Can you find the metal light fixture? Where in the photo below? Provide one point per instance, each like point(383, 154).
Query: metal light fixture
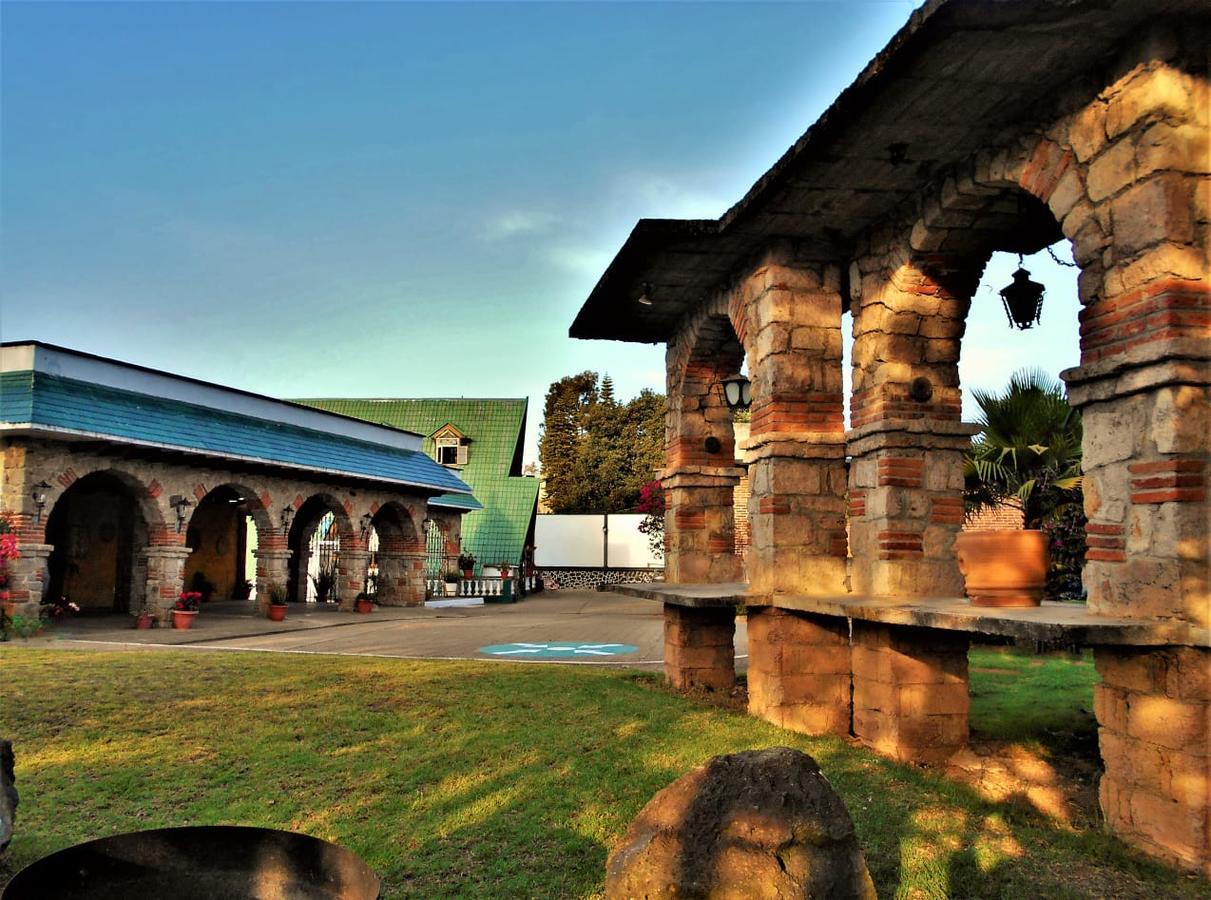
point(1023, 299)
point(738, 392)
point(181, 505)
point(366, 521)
point(287, 516)
point(39, 497)
point(426, 525)
point(645, 295)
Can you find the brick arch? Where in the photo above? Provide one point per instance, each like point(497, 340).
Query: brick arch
point(397, 530)
point(254, 501)
point(148, 496)
point(401, 556)
point(704, 351)
point(97, 544)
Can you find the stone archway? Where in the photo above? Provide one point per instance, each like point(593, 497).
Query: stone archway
point(321, 524)
point(399, 557)
point(99, 531)
point(221, 541)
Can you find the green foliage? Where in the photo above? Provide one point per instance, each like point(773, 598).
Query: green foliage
point(1028, 450)
point(597, 453)
point(277, 593)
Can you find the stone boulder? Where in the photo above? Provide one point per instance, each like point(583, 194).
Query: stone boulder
point(762, 823)
point(8, 793)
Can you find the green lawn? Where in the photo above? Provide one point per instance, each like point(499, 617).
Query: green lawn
point(471, 779)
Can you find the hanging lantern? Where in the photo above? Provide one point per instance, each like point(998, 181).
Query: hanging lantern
point(738, 392)
point(1023, 299)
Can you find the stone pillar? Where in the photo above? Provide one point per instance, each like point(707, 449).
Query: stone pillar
point(165, 580)
point(699, 526)
point(401, 579)
point(798, 670)
point(699, 647)
point(351, 576)
point(27, 576)
point(302, 585)
point(272, 566)
point(905, 507)
point(910, 691)
point(1153, 708)
point(796, 447)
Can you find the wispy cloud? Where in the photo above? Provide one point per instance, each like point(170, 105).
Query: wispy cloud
point(519, 223)
point(662, 196)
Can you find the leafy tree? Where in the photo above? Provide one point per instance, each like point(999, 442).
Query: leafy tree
point(1028, 450)
point(597, 453)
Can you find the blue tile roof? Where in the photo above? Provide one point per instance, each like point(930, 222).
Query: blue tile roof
point(49, 401)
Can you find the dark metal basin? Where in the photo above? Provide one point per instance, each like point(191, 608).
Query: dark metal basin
point(198, 863)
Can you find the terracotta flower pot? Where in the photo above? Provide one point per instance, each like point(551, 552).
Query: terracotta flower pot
point(1003, 568)
point(183, 618)
point(277, 613)
point(144, 621)
point(363, 606)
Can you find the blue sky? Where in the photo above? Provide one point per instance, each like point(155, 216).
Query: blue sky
point(400, 199)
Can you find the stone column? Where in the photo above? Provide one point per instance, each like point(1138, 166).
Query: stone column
point(401, 579)
point(26, 577)
point(272, 566)
point(798, 670)
point(910, 691)
point(905, 507)
point(1153, 708)
point(699, 647)
point(351, 576)
point(796, 446)
point(165, 580)
point(699, 526)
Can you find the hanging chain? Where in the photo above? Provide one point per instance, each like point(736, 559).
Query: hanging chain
point(1056, 259)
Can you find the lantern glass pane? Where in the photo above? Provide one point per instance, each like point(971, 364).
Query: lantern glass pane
point(731, 392)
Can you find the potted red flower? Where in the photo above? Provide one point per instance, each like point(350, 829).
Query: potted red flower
point(185, 610)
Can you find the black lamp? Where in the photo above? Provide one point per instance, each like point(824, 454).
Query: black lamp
point(1023, 299)
point(181, 504)
point(287, 516)
point(367, 519)
point(738, 392)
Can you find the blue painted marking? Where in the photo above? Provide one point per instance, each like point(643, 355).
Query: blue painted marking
point(557, 650)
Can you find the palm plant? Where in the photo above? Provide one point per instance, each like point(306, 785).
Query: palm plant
point(1028, 450)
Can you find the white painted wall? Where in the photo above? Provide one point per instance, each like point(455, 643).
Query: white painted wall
point(576, 541)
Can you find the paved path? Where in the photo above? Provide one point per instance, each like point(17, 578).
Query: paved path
point(545, 628)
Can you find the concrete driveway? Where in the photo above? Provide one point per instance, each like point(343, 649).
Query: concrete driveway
point(578, 627)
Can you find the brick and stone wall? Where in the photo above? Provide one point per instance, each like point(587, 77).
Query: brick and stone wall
point(162, 554)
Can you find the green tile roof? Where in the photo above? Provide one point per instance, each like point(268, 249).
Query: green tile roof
point(496, 428)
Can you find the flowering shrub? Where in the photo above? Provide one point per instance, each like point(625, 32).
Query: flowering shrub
point(8, 550)
point(651, 504)
point(189, 601)
point(57, 610)
point(1065, 529)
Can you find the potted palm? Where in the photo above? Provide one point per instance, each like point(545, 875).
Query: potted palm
point(1027, 454)
point(185, 610)
point(277, 601)
point(325, 583)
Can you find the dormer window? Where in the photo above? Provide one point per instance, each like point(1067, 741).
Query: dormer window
point(450, 446)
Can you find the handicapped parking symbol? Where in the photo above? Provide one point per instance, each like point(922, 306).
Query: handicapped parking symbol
point(557, 650)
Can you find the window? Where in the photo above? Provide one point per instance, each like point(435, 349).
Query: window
point(451, 451)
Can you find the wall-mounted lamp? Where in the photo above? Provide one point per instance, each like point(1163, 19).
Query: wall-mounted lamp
point(181, 505)
point(39, 497)
point(738, 392)
point(426, 525)
point(645, 295)
point(366, 521)
point(1023, 299)
point(287, 516)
